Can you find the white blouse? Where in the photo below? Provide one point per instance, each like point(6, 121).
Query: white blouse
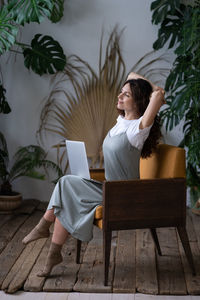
point(136, 136)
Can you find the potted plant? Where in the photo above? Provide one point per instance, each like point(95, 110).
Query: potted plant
point(179, 29)
point(28, 161)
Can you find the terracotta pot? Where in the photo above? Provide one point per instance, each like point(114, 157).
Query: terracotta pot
point(10, 203)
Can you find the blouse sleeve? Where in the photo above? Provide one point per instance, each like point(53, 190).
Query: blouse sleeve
point(137, 136)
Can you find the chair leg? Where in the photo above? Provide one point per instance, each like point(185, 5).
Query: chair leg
point(186, 246)
point(78, 251)
point(107, 235)
point(155, 238)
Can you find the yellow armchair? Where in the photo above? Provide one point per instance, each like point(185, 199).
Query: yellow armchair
point(157, 199)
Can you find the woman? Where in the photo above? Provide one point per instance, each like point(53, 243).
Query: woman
point(74, 199)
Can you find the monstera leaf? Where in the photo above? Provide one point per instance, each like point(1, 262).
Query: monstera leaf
point(57, 12)
point(8, 31)
point(4, 106)
point(45, 55)
point(162, 9)
point(26, 11)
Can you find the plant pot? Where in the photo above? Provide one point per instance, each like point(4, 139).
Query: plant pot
point(8, 203)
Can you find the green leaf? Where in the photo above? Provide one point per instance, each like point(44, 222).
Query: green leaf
point(163, 8)
point(8, 31)
point(3, 146)
point(170, 27)
point(57, 12)
point(29, 160)
point(26, 11)
point(160, 42)
point(4, 106)
point(33, 174)
point(46, 55)
point(193, 178)
point(190, 31)
point(4, 157)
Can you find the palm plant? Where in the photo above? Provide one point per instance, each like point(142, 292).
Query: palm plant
point(27, 162)
point(88, 112)
point(44, 55)
point(82, 103)
point(179, 27)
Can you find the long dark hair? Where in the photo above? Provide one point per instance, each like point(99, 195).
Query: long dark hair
point(141, 91)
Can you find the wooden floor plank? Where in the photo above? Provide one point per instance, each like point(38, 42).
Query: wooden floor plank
point(25, 266)
point(170, 269)
point(63, 276)
point(15, 246)
point(15, 268)
point(4, 219)
point(91, 275)
point(196, 223)
point(192, 282)
point(125, 267)
point(28, 206)
point(146, 274)
point(9, 224)
point(33, 282)
point(190, 227)
point(173, 272)
point(10, 228)
point(42, 206)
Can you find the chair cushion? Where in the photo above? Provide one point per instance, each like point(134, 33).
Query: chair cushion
point(99, 212)
point(98, 174)
point(157, 165)
point(99, 223)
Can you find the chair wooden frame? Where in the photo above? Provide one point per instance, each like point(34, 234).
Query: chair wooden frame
point(143, 203)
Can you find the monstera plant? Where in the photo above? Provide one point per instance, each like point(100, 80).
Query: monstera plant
point(179, 23)
point(44, 55)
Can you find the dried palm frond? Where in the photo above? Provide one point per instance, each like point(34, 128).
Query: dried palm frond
point(154, 66)
point(87, 109)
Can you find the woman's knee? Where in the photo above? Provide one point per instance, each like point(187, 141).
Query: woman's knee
point(69, 178)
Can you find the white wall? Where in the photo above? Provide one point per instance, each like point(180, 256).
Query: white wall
point(79, 33)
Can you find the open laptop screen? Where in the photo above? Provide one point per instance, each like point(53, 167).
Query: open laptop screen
point(77, 158)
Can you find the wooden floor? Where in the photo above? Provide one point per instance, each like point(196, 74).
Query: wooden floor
point(89, 296)
point(135, 266)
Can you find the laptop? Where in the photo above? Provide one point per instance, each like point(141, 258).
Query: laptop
point(77, 158)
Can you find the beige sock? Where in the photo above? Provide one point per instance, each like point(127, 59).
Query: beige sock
point(54, 257)
point(41, 230)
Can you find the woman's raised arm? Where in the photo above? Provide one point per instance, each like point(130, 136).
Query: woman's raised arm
point(156, 101)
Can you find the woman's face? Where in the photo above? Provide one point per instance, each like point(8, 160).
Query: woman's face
point(125, 99)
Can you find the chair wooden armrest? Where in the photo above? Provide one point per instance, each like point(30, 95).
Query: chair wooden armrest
point(144, 203)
